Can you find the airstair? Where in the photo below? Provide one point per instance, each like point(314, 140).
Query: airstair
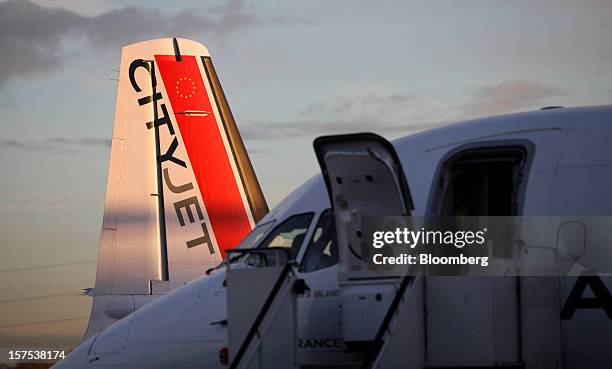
point(262, 313)
point(262, 318)
point(262, 310)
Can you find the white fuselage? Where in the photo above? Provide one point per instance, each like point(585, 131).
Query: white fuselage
point(570, 173)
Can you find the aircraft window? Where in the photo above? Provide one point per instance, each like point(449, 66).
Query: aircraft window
point(256, 234)
point(289, 234)
point(322, 250)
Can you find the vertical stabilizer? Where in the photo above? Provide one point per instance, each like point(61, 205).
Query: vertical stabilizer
point(181, 188)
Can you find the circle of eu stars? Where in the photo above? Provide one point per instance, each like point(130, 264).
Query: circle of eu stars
point(185, 87)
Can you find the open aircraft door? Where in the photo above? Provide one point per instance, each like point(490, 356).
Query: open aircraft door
point(364, 178)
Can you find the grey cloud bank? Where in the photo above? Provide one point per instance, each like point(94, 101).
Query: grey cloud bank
point(55, 144)
point(31, 35)
point(509, 96)
point(402, 113)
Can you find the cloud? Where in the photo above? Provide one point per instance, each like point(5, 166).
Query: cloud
point(382, 113)
point(401, 113)
point(56, 144)
point(253, 151)
point(258, 130)
point(89, 7)
point(31, 35)
point(509, 96)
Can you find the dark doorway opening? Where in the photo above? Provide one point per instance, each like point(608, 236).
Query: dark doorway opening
point(482, 182)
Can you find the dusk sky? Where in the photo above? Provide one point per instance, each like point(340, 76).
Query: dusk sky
point(291, 70)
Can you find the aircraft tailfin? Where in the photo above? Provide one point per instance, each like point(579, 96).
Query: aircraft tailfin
point(181, 188)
